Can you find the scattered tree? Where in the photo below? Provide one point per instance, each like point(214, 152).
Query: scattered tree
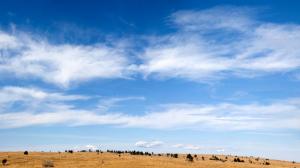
point(26, 153)
point(174, 155)
point(189, 157)
point(267, 163)
point(238, 160)
point(4, 162)
point(213, 157)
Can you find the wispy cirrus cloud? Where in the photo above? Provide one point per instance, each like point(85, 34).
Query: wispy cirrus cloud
point(222, 42)
point(210, 44)
point(149, 144)
point(27, 56)
point(43, 108)
point(197, 147)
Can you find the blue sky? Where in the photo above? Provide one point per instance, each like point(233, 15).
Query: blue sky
point(163, 76)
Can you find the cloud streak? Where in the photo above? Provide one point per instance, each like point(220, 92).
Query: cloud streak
point(222, 42)
point(207, 45)
point(43, 108)
point(61, 64)
point(150, 144)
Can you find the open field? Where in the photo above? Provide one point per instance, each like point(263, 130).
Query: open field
point(112, 160)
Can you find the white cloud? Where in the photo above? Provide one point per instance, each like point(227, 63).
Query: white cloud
point(193, 147)
point(7, 41)
point(37, 107)
point(92, 147)
point(188, 146)
point(225, 17)
point(209, 44)
point(61, 64)
point(107, 103)
point(178, 146)
point(14, 93)
point(197, 147)
point(20, 99)
point(220, 150)
point(222, 42)
point(148, 144)
point(223, 116)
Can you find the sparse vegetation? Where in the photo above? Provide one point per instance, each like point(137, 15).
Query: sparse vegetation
point(267, 163)
point(131, 159)
point(26, 153)
point(189, 158)
point(237, 159)
point(174, 155)
point(4, 162)
point(214, 157)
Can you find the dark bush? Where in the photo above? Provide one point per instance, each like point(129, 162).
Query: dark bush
point(238, 160)
point(203, 158)
point(267, 163)
point(4, 162)
point(213, 157)
point(189, 157)
point(174, 155)
point(26, 153)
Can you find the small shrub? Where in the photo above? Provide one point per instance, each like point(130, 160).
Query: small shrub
point(26, 153)
point(267, 163)
point(189, 157)
point(203, 158)
point(238, 160)
point(213, 157)
point(4, 162)
point(48, 163)
point(174, 155)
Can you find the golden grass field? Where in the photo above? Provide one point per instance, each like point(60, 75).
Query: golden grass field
point(111, 160)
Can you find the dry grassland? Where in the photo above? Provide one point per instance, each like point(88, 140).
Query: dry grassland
point(111, 160)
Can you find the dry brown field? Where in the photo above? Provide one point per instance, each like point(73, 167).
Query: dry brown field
point(111, 160)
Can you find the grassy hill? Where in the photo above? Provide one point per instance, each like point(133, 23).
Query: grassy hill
point(114, 160)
